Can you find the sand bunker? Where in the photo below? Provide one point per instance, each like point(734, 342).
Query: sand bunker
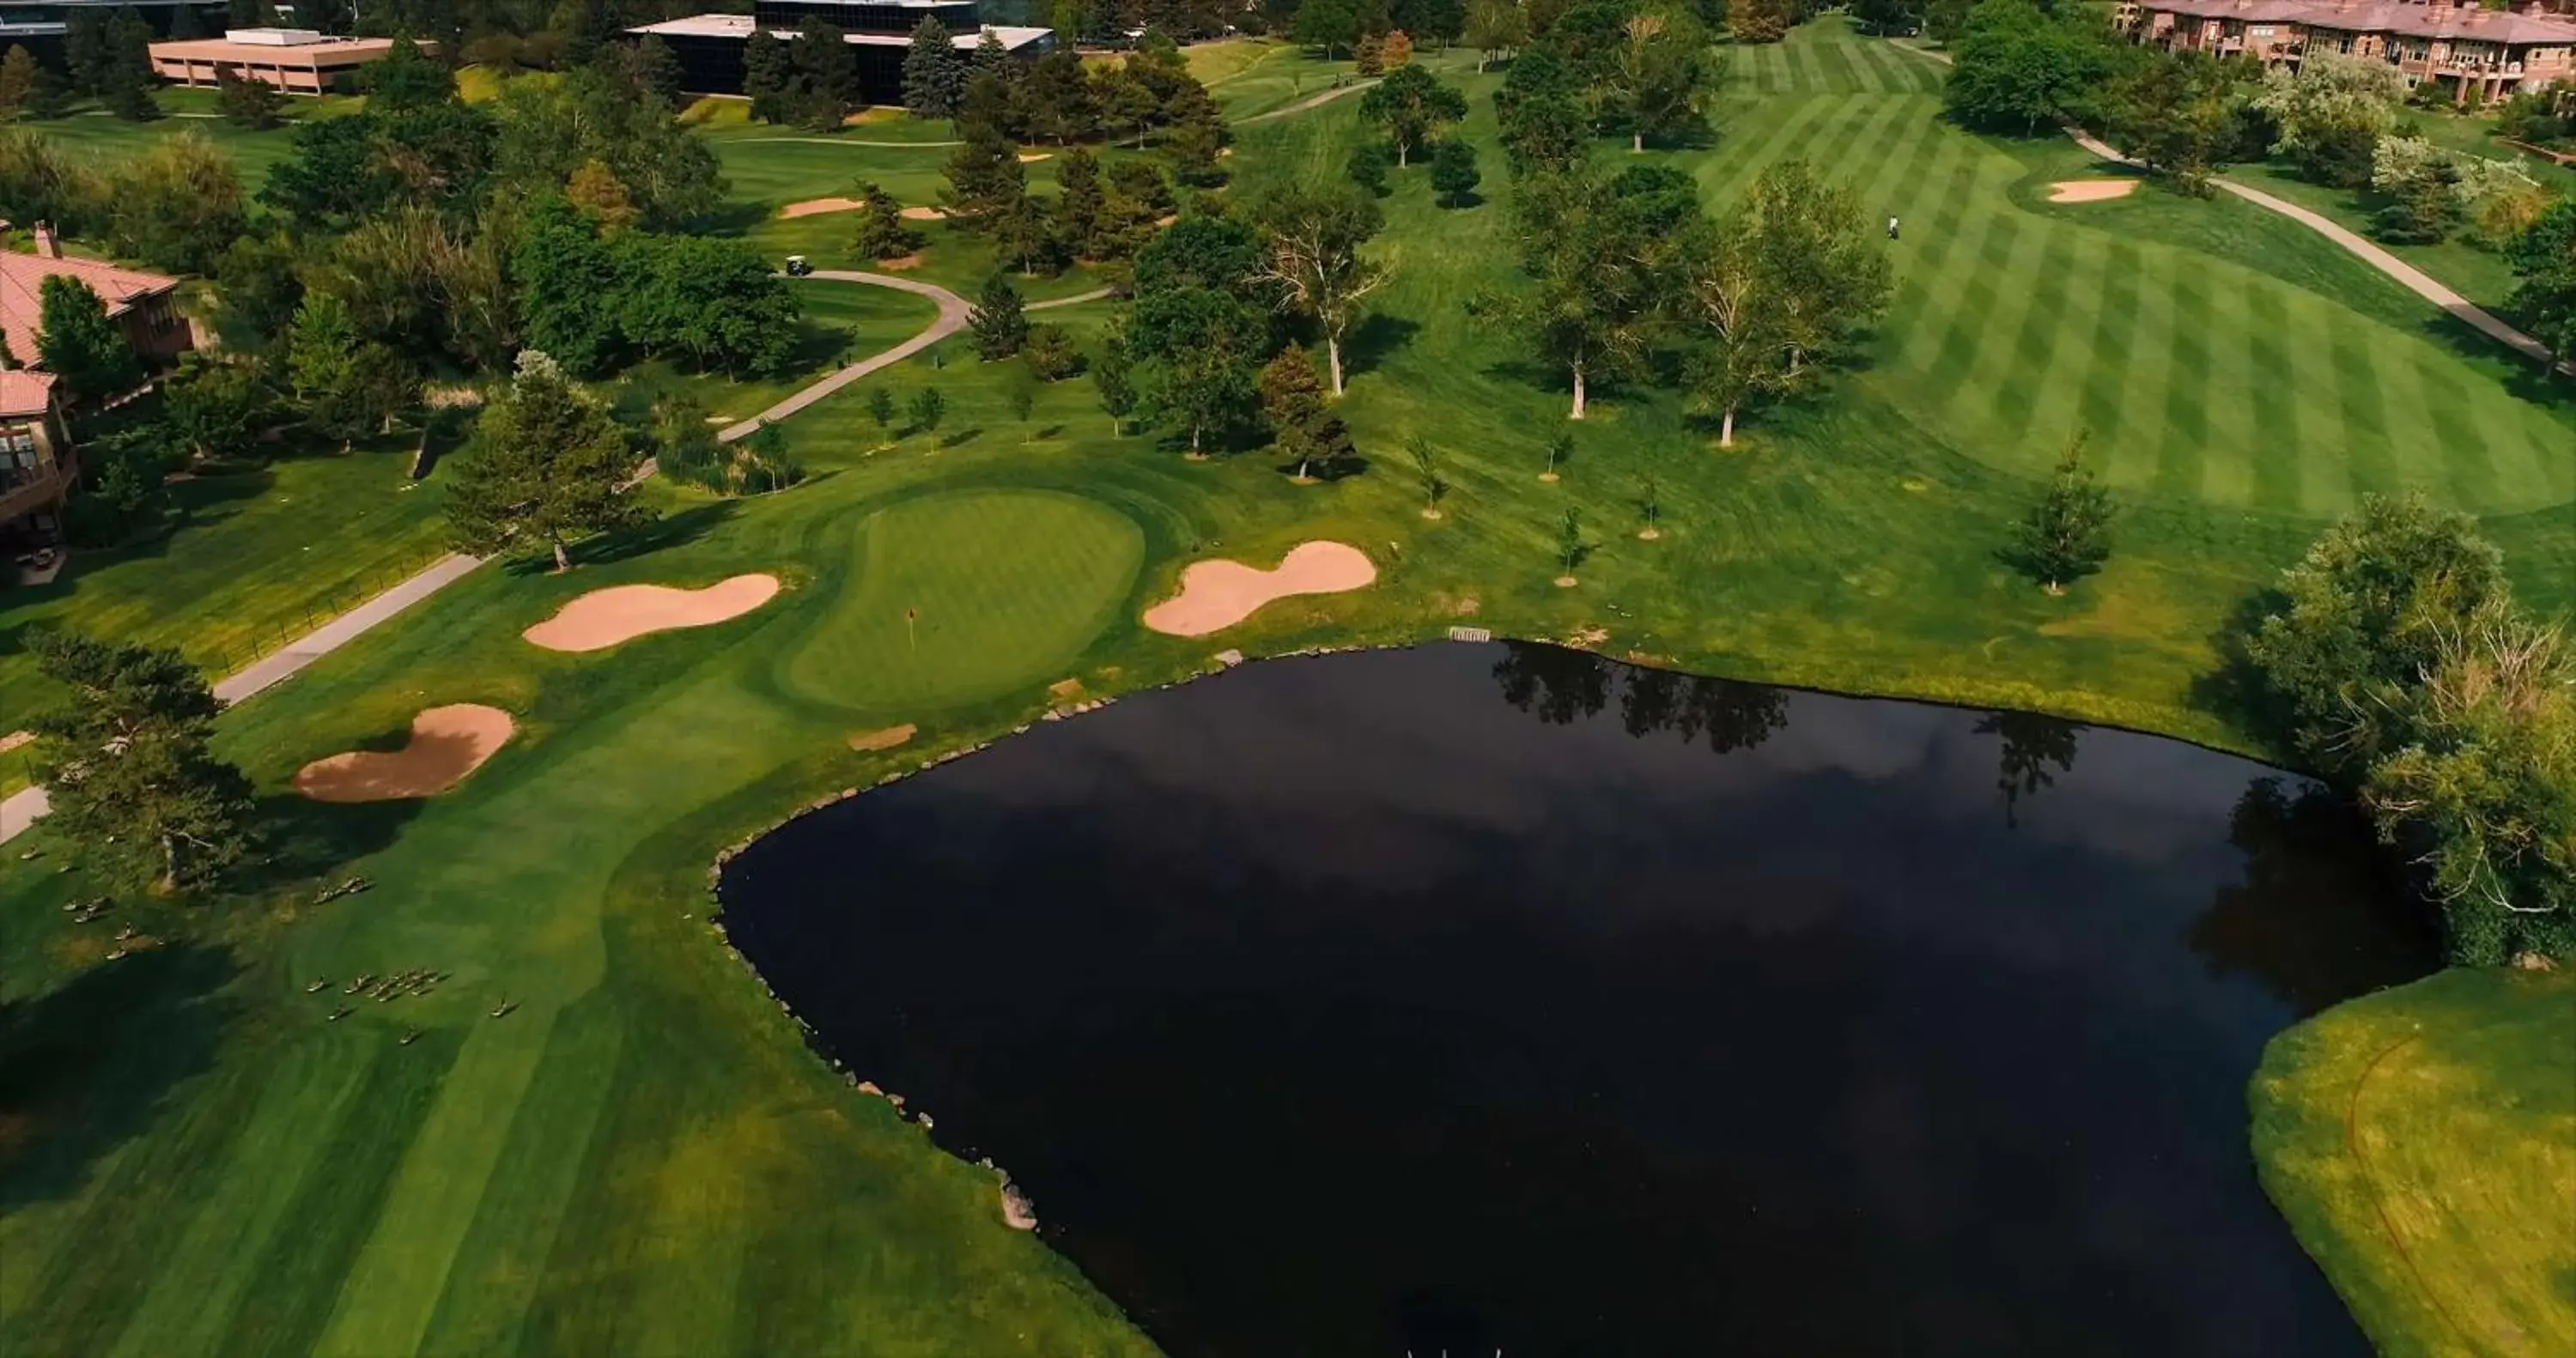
point(1218, 594)
point(813, 207)
point(2089, 190)
point(1033, 157)
point(922, 214)
point(606, 617)
point(447, 743)
point(886, 739)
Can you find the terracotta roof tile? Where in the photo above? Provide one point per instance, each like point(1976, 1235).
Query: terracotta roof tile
point(22, 281)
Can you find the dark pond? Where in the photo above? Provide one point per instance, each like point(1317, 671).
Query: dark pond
point(1483, 997)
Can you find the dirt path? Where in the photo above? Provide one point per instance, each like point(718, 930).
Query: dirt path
point(2414, 280)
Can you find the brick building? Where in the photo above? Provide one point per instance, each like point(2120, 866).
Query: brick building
point(296, 60)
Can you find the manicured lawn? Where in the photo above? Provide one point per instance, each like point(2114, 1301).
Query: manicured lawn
point(2422, 1142)
point(255, 559)
point(2481, 275)
point(644, 1158)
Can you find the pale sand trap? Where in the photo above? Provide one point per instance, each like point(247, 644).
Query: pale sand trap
point(447, 743)
point(15, 739)
point(922, 214)
point(1033, 157)
point(2089, 190)
point(606, 617)
point(813, 207)
point(886, 739)
point(1216, 595)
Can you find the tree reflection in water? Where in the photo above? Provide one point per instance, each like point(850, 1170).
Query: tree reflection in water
point(2031, 743)
point(1559, 685)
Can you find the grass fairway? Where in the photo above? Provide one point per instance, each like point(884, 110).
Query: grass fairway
point(644, 1158)
point(2422, 1143)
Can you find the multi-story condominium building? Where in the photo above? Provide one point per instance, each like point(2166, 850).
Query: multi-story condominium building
point(139, 302)
point(37, 469)
point(2473, 53)
point(710, 46)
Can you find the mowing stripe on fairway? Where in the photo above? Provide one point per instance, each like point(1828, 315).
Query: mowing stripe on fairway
point(2412, 443)
point(2255, 368)
point(2057, 398)
point(385, 1304)
point(219, 1247)
point(501, 1263)
point(2136, 427)
point(2314, 403)
point(2015, 333)
point(339, 1201)
point(2183, 434)
point(2369, 464)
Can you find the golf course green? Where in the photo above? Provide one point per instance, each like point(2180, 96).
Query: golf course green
point(639, 1155)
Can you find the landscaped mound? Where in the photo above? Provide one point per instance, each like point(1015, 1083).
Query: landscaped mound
point(606, 617)
point(2089, 190)
point(447, 743)
point(1216, 595)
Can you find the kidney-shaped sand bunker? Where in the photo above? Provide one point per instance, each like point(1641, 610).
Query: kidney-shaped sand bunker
point(1216, 595)
point(447, 743)
point(607, 617)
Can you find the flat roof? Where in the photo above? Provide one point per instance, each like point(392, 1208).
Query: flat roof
point(329, 50)
point(740, 26)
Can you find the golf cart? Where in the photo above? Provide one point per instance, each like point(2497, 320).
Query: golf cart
point(798, 267)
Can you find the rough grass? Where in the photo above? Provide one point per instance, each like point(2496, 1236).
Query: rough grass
point(643, 1157)
point(2422, 1142)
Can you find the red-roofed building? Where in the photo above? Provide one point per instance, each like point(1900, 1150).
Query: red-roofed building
point(139, 301)
point(37, 468)
point(2471, 51)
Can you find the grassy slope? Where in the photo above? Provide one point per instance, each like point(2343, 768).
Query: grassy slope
point(2422, 1143)
point(643, 1158)
point(253, 559)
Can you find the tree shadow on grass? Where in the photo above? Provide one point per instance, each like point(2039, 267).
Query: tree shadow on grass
point(668, 531)
point(2236, 691)
point(1375, 339)
point(87, 1066)
point(308, 841)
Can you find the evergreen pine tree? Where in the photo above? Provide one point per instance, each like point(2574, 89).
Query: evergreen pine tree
point(934, 75)
point(1000, 323)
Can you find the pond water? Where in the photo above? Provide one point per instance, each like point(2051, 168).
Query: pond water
point(1478, 997)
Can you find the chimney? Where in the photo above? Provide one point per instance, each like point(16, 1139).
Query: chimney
point(46, 245)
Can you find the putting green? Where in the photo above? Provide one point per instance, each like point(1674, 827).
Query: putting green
point(967, 595)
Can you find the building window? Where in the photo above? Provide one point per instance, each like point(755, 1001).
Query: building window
point(2262, 30)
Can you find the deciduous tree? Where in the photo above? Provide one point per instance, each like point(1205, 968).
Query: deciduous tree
point(2544, 266)
point(1778, 290)
point(77, 342)
point(1454, 174)
point(1311, 242)
point(1414, 108)
point(2331, 113)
